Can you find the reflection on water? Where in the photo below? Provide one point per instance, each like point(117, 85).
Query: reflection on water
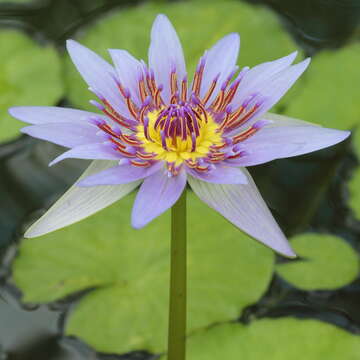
point(32, 334)
point(318, 24)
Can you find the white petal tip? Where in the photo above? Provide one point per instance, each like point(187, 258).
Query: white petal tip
point(161, 23)
point(137, 225)
point(32, 232)
point(306, 62)
point(234, 36)
point(346, 134)
point(55, 161)
point(24, 130)
point(138, 221)
point(289, 253)
point(71, 42)
point(337, 136)
point(21, 112)
point(29, 235)
point(117, 51)
point(161, 17)
point(161, 20)
point(72, 45)
point(37, 229)
point(13, 111)
point(293, 55)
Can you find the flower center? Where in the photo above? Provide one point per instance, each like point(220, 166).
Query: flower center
point(179, 132)
point(198, 128)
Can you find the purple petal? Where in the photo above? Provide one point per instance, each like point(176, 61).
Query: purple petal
point(282, 120)
point(243, 206)
point(220, 175)
point(165, 54)
point(129, 71)
point(279, 84)
point(256, 77)
point(220, 59)
point(64, 134)
point(286, 141)
point(157, 193)
point(258, 153)
point(78, 203)
point(100, 151)
point(51, 114)
point(274, 88)
point(98, 74)
point(120, 174)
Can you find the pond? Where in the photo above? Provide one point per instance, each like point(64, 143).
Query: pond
point(98, 289)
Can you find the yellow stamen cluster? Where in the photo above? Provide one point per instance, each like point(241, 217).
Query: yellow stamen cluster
point(174, 148)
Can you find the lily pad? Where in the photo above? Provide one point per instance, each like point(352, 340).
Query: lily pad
point(128, 271)
point(271, 339)
point(356, 139)
point(331, 96)
point(199, 25)
point(30, 75)
point(354, 189)
point(328, 263)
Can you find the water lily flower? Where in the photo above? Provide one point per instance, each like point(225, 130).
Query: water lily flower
point(156, 128)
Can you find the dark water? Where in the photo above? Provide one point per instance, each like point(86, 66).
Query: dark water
point(314, 185)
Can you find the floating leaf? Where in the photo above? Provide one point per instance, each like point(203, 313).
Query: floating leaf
point(354, 188)
point(355, 137)
point(199, 27)
point(271, 339)
point(30, 75)
point(331, 96)
point(328, 263)
point(129, 270)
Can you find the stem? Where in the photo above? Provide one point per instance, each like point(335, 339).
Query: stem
point(177, 311)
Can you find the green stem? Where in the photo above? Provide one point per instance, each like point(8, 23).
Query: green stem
point(177, 312)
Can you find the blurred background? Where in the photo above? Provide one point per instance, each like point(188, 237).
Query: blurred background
point(98, 290)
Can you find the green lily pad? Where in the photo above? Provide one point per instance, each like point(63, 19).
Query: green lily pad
point(271, 339)
point(331, 96)
point(354, 189)
point(129, 272)
point(199, 25)
point(30, 75)
point(355, 137)
point(328, 263)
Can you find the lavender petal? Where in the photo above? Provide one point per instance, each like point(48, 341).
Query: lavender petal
point(98, 74)
point(78, 203)
point(52, 114)
point(100, 151)
point(243, 206)
point(255, 78)
point(64, 133)
point(129, 71)
point(165, 54)
point(157, 193)
point(220, 175)
point(120, 174)
point(277, 142)
point(220, 59)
